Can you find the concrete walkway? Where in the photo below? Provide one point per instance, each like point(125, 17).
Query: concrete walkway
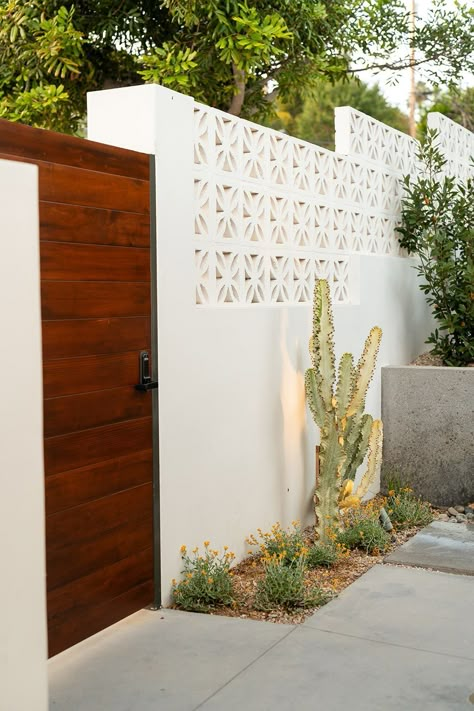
point(398, 638)
point(440, 546)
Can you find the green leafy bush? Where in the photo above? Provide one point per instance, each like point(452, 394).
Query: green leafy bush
point(322, 554)
point(207, 581)
point(366, 534)
point(287, 545)
point(406, 509)
point(283, 586)
point(438, 226)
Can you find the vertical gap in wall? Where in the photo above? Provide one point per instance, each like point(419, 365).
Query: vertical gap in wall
point(155, 393)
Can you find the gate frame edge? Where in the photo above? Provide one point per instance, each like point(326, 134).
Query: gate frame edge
point(156, 604)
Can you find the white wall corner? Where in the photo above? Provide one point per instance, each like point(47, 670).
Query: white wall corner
point(342, 125)
point(23, 649)
point(127, 117)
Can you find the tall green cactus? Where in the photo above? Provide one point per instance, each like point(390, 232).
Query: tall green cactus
point(337, 407)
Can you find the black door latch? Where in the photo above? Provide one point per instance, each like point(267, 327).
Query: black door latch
point(146, 383)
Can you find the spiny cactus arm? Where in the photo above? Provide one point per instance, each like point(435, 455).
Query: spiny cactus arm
point(314, 398)
point(365, 371)
point(328, 485)
point(322, 346)
point(344, 384)
point(356, 444)
point(374, 459)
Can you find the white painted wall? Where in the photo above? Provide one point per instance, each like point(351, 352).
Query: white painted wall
point(23, 648)
point(236, 443)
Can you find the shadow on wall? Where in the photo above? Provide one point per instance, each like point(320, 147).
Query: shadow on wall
point(292, 397)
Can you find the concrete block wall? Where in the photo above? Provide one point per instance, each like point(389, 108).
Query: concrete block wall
point(236, 440)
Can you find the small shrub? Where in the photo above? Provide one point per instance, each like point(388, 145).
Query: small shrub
point(287, 546)
point(283, 586)
point(365, 533)
point(406, 509)
point(322, 554)
point(207, 581)
point(437, 225)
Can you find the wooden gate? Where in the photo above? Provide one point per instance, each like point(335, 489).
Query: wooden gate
point(96, 318)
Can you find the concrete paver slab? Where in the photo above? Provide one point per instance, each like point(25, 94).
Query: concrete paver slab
point(420, 609)
point(439, 546)
point(166, 660)
point(311, 670)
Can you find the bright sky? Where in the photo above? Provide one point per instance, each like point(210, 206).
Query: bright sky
point(398, 94)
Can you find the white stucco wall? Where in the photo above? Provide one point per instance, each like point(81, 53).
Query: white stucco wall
point(23, 648)
point(236, 443)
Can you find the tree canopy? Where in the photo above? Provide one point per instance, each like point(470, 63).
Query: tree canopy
point(457, 104)
point(236, 55)
point(312, 118)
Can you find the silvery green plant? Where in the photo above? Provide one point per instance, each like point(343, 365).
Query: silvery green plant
point(337, 404)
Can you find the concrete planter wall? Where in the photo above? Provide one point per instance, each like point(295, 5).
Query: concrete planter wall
point(429, 430)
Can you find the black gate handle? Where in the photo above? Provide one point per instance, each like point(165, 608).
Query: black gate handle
point(146, 383)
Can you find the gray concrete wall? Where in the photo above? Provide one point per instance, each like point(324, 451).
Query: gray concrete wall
point(429, 430)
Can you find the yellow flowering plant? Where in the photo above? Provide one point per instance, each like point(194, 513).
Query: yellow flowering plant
point(206, 581)
point(288, 545)
point(362, 529)
point(404, 507)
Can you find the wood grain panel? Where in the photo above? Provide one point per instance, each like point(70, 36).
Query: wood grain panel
point(67, 376)
point(66, 564)
point(96, 618)
point(99, 587)
point(73, 488)
point(40, 145)
point(75, 186)
point(103, 407)
point(81, 449)
point(90, 521)
point(73, 223)
point(98, 446)
point(90, 262)
point(64, 339)
point(70, 299)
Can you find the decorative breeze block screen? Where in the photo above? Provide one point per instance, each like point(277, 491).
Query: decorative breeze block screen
point(273, 212)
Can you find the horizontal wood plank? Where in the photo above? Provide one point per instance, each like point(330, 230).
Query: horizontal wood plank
point(74, 488)
point(90, 262)
point(97, 618)
point(75, 186)
point(73, 413)
point(99, 587)
point(38, 144)
point(90, 521)
point(70, 376)
point(64, 339)
point(75, 223)
point(72, 299)
point(66, 564)
point(80, 449)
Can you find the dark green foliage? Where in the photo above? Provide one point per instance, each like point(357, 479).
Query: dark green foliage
point(404, 507)
point(438, 226)
point(366, 534)
point(235, 55)
point(283, 586)
point(322, 554)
